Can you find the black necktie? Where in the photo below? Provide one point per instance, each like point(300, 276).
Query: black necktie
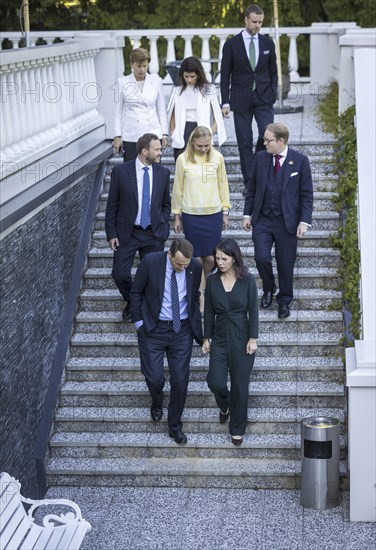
point(176, 323)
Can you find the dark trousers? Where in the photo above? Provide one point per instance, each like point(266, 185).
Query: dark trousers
point(226, 359)
point(189, 127)
point(130, 150)
point(268, 230)
point(264, 115)
point(178, 348)
point(143, 241)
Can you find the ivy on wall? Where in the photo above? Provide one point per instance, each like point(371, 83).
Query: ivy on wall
point(346, 239)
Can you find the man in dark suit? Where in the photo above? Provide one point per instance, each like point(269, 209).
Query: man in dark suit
point(249, 85)
point(278, 208)
point(165, 307)
point(138, 211)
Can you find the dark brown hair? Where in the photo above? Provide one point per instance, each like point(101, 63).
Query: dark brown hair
point(183, 246)
point(231, 248)
point(192, 65)
point(144, 142)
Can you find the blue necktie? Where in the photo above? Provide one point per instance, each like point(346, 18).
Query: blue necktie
point(176, 323)
point(145, 214)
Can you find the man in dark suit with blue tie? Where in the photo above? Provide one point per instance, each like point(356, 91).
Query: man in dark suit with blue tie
point(249, 85)
point(278, 209)
point(138, 211)
point(165, 307)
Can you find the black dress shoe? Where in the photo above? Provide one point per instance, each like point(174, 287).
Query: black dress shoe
point(236, 440)
point(283, 311)
point(156, 413)
point(178, 436)
point(127, 313)
point(267, 298)
point(223, 417)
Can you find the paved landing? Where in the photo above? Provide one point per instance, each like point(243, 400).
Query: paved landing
point(213, 519)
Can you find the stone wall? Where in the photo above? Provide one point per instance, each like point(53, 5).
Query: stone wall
point(36, 264)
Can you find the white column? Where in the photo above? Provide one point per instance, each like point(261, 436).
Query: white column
point(293, 60)
point(221, 44)
point(361, 360)
point(188, 45)
point(154, 61)
point(205, 54)
point(170, 56)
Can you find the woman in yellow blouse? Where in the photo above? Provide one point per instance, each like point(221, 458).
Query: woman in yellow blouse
point(200, 196)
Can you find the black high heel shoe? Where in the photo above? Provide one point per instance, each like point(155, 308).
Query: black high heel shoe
point(236, 440)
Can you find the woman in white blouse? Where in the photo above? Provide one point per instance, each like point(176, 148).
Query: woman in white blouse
point(195, 103)
point(201, 197)
point(140, 106)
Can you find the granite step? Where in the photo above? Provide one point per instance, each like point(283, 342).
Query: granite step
point(235, 473)
point(322, 181)
point(324, 224)
point(276, 344)
point(300, 321)
point(204, 420)
point(113, 445)
point(270, 394)
point(307, 278)
point(109, 299)
point(265, 364)
point(322, 202)
point(100, 255)
point(302, 369)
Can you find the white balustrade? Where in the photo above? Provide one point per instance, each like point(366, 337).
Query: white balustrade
point(55, 90)
point(48, 95)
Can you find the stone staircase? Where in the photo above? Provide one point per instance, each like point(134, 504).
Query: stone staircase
point(102, 433)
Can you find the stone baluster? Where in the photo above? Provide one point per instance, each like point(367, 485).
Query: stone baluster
point(154, 61)
point(221, 44)
point(52, 96)
point(9, 107)
point(205, 55)
point(170, 56)
point(34, 105)
point(188, 45)
point(136, 43)
point(293, 60)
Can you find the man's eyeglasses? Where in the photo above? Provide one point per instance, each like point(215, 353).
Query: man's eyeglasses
point(268, 140)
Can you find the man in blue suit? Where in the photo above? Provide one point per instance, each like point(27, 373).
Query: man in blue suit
point(278, 209)
point(249, 85)
point(167, 321)
point(138, 211)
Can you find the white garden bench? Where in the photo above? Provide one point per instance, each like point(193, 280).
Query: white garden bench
point(18, 529)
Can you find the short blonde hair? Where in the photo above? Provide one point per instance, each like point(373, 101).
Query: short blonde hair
point(140, 55)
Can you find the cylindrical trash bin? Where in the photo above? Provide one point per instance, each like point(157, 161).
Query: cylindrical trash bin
point(320, 463)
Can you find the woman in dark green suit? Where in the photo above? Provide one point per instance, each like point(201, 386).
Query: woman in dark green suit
point(230, 334)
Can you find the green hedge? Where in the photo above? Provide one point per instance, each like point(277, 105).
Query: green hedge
point(346, 239)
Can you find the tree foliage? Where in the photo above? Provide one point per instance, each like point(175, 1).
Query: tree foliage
point(151, 14)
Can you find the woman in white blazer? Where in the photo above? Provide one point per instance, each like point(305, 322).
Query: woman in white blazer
point(140, 106)
point(195, 103)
